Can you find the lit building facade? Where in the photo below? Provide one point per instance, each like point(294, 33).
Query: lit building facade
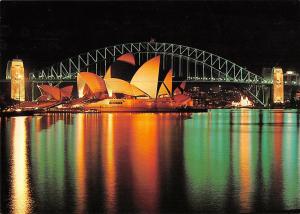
point(52, 93)
point(278, 85)
point(125, 87)
point(15, 72)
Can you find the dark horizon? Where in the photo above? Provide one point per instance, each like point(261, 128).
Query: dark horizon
point(251, 34)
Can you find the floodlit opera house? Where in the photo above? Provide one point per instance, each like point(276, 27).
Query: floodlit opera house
point(125, 87)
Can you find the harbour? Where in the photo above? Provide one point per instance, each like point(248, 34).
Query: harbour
point(209, 162)
point(149, 107)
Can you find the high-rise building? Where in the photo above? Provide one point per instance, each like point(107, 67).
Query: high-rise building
point(15, 72)
point(278, 85)
point(291, 77)
point(267, 74)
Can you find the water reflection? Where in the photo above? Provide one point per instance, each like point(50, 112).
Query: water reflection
point(144, 157)
point(249, 173)
point(245, 163)
point(207, 160)
point(224, 160)
point(109, 164)
point(20, 197)
point(80, 163)
point(290, 162)
point(266, 158)
point(277, 161)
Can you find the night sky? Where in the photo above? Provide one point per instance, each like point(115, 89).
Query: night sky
point(252, 34)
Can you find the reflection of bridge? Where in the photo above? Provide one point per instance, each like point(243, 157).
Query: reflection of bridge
point(188, 63)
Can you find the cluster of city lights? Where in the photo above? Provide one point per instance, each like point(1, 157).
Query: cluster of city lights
point(223, 79)
point(244, 102)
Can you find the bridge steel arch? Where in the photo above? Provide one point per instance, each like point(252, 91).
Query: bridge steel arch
point(191, 64)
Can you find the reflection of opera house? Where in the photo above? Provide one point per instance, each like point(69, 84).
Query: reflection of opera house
point(123, 88)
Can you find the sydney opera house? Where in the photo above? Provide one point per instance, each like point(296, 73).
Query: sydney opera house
point(125, 87)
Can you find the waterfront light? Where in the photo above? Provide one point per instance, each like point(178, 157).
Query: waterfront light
point(244, 102)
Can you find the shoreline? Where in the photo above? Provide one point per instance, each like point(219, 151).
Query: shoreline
point(96, 111)
point(74, 111)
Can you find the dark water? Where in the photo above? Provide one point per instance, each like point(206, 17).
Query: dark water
point(231, 161)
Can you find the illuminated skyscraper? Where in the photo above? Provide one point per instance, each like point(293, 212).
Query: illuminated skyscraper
point(15, 72)
point(278, 85)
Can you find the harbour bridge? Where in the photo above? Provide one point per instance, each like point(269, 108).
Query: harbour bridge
point(190, 64)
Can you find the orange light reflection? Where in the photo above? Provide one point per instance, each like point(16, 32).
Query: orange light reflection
point(245, 162)
point(80, 169)
point(144, 156)
point(109, 165)
point(21, 199)
point(278, 120)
